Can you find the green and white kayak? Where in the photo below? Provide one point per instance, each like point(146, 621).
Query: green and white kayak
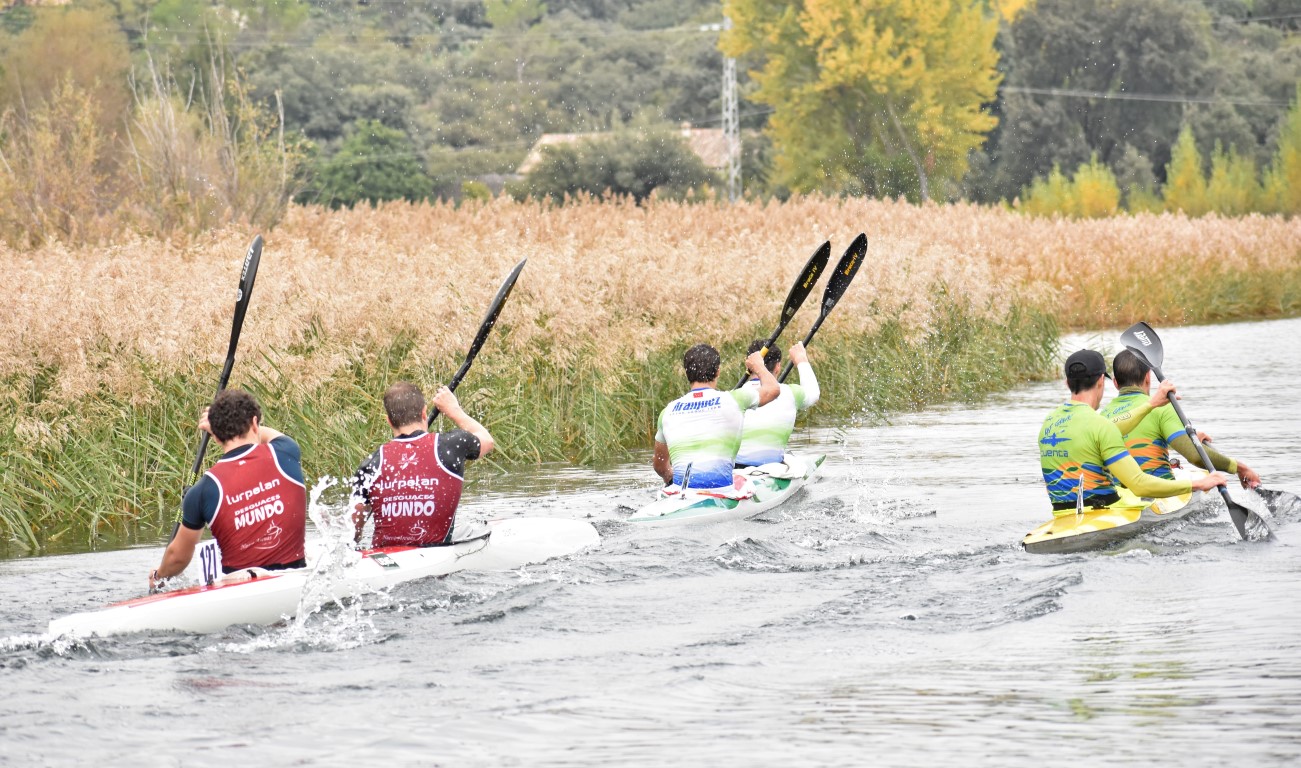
point(1097, 528)
point(755, 490)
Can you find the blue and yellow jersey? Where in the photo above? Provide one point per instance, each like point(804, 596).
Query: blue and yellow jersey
point(1149, 442)
point(1077, 445)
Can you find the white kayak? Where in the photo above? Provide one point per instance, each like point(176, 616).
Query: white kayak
point(754, 490)
point(257, 596)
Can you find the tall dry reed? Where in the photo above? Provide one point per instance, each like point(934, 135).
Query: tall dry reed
point(103, 343)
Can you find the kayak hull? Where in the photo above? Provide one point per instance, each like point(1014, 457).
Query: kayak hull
point(1098, 528)
point(772, 484)
point(266, 597)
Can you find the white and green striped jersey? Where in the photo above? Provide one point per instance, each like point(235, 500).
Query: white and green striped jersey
point(768, 428)
point(703, 430)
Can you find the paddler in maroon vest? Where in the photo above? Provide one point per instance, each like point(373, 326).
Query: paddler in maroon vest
point(411, 485)
point(253, 499)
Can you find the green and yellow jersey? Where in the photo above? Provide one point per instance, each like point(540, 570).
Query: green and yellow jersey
point(1157, 430)
point(1080, 452)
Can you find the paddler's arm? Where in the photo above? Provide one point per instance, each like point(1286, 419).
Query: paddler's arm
point(663, 467)
point(1128, 421)
point(1126, 470)
point(445, 400)
point(1246, 475)
point(1184, 445)
point(809, 392)
point(176, 556)
point(359, 499)
point(769, 389)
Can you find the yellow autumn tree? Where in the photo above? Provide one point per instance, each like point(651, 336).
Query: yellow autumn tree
point(1095, 191)
point(881, 97)
point(1185, 184)
point(1232, 189)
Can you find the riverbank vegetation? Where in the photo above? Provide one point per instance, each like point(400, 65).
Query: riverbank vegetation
point(109, 350)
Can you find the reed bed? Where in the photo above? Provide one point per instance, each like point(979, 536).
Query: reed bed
point(109, 350)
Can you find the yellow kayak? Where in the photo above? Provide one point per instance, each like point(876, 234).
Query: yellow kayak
point(1099, 527)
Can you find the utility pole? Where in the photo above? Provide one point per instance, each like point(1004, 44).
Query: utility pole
point(731, 127)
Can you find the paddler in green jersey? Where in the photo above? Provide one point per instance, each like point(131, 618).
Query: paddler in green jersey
point(1081, 452)
point(768, 429)
point(1149, 441)
point(702, 429)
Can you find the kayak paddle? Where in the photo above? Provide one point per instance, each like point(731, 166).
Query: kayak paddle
point(489, 320)
point(836, 285)
point(799, 292)
point(1143, 342)
point(242, 296)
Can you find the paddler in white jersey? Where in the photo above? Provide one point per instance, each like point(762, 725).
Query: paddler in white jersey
point(702, 429)
point(768, 429)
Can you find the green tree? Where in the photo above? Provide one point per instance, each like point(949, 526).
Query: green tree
point(628, 162)
point(375, 163)
point(513, 14)
point(862, 89)
point(1061, 52)
point(1185, 186)
point(1283, 184)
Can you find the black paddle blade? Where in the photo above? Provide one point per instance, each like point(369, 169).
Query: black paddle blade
point(813, 269)
point(485, 327)
point(245, 292)
point(490, 317)
point(844, 273)
point(1251, 526)
point(1140, 339)
point(840, 279)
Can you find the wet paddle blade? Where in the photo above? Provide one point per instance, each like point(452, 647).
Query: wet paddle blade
point(840, 279)
point(1140, 339)
point(485, 327)
point(846, 268)
point(813, 269)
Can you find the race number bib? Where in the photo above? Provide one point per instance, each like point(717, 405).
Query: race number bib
point(209, 562)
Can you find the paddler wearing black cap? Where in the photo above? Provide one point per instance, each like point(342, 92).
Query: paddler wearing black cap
point(1083, 453)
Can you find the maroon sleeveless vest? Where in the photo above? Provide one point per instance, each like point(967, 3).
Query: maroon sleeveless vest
point(262, 515)
point(414, 497)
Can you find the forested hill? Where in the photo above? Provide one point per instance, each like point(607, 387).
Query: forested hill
point(448, 91)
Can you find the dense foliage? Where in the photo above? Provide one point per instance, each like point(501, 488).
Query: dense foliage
point(163, 115)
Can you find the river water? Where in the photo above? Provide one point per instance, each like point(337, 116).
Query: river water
point(887, 616)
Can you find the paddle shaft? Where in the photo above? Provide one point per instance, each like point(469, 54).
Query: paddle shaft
point(808, 339)
point(1236, 512)
point(247, 276)
point(489, 320)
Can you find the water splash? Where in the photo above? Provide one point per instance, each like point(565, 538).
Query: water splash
point(330, 613)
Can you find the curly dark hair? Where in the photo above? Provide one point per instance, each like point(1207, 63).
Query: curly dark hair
point(403, 403)
point(701, 363)
point(231, 414)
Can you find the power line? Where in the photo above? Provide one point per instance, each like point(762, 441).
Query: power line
point(1128, 96)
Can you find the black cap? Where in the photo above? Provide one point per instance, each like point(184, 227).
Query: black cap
point(1086, 364)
